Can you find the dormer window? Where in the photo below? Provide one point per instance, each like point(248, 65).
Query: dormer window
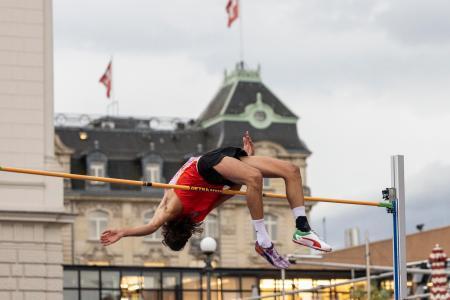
point(152, 172)
point(152, 168)
point(96, 164)
point(97, 169)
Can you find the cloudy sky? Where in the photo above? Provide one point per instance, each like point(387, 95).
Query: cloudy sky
point(369, 79)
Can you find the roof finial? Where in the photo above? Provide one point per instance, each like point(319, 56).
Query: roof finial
point(258, 98)
point(96, 145)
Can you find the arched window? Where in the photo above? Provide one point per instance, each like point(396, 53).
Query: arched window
point(98, 220)
point(211, 226)
point(156, 236)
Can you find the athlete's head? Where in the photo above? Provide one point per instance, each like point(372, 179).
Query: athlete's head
point(176, 233)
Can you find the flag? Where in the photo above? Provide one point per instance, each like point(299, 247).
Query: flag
point(232, 9)
point(106, 79)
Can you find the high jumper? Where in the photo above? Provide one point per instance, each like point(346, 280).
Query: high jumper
point(181, 212)
point(226, 165)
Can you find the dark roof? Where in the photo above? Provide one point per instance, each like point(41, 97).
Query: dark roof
point(132, 144)
point(245, 93)
point(230, 134)
point(215, 106)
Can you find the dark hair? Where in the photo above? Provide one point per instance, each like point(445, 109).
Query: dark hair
point(177, 232)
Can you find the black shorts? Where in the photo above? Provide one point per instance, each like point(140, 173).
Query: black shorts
point(207, 161)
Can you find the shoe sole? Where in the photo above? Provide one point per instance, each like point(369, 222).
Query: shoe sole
point(268, 258)
point(313, 247)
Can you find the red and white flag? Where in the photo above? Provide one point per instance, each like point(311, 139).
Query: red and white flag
point(232, 9)
point(106, 79)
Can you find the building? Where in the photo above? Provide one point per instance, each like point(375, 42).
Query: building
point(418, 248)
point(31, 207)
point(143, 149)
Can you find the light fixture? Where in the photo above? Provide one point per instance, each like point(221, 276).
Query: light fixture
point(208, 245)
point(83, 135)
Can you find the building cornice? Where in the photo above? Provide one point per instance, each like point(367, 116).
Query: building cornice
point(36, 216)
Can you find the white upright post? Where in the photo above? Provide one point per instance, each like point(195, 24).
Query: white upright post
point(399, 238)
point(283, 279)
point(368, 267)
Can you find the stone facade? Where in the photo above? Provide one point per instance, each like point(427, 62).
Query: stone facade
point(31, 207)
point(235, 234)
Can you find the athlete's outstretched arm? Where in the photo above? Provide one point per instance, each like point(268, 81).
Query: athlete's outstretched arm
point(162, 215)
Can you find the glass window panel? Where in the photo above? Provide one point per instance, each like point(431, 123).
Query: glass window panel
point(70, 294)
point(150, 295)
point(89, 279)
point(191, 281)
point(110, 295)
point(98, 221)
point(89, 294)
point(215, 283)
point(71, 278)
point(131, 281)
point(171, 280)
point(230, 283)
point(151, 280)
point(156, 236)
point(97, 169)
point(266, 183)
point(169, 295)
point(211, 226)
point(214, 295)
point(231, 295)
point(110, 279)
point(102, 226)
point(191, 295)
point(248, 283)
point(152, 172)
point(93, 230)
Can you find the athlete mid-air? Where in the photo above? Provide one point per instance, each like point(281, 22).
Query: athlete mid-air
point(181, 212)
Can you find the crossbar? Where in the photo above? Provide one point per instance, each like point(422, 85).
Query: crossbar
point(182, 187)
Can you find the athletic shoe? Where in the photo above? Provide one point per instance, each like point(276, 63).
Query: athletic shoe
point(311, 240)
point(272, 256)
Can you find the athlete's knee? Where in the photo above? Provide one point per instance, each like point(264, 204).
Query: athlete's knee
point(292, 170)
point(254, 178)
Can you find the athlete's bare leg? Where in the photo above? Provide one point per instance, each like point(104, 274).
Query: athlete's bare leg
point(242, 173)
point(276, 168)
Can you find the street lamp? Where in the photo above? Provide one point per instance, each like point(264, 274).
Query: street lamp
point(208, 246)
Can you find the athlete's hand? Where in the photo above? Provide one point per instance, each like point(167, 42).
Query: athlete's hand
point(248, 144)
point(111, 236)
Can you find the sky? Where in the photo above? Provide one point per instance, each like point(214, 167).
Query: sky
point(368, 79)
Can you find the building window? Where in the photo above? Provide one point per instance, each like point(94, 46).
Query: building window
point(152, 172)
point(97, 169)
point(211, 226)
point(98, 220)
point(271, 226)
point(156, 236)
point(266, 183)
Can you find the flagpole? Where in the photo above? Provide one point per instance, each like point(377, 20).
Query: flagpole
point(115, 103)
point(241, 34)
